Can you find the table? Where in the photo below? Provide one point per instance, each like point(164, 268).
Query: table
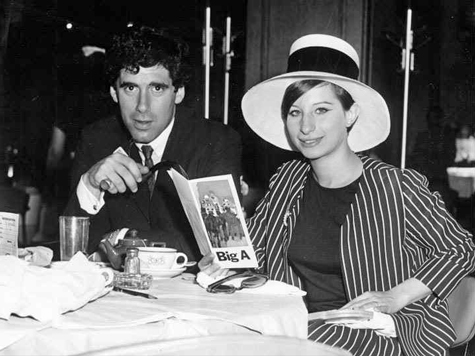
point(226, 345)
point(183, 310)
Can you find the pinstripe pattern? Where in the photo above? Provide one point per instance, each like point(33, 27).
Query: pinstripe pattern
point(395, 229)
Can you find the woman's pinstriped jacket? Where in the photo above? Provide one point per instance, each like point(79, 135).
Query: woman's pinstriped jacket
point(395, 229)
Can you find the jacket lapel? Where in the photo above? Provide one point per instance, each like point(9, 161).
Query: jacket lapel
point(290, 218)
point(366, 240)
point(178, 138)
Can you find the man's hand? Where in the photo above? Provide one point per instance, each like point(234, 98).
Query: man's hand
point(119, 170)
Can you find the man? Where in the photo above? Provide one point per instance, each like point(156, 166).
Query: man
point(147, 73)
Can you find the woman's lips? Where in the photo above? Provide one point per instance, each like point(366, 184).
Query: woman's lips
point(310, 142)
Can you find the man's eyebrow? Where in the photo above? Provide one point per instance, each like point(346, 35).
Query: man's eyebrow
point(157, 84)
point(151, 84)
point(126, 84)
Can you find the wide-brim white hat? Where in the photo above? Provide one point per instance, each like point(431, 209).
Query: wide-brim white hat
point(326, 58)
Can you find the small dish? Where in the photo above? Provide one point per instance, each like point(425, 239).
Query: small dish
point(164, 273)
point(132, 281)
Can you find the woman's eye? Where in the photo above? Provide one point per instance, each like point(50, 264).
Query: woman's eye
point(321, 111)
point(294, 113)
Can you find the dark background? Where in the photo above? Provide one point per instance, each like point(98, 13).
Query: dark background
point(46, 76)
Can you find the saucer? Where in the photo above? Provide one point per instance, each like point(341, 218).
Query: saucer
point(163, 273)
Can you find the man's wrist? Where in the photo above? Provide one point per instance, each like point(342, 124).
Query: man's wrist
point(88, 201)
point(93, 190)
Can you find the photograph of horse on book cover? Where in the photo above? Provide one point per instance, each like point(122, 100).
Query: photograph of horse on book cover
point(220, 214)
point(214, 211)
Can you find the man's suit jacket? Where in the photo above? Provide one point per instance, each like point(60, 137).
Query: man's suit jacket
point(202, 147)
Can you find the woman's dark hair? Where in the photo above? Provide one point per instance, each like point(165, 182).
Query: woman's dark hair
point(147, 47)
point(299, 88)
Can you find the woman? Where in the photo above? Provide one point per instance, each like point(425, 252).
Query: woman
point(352, 231)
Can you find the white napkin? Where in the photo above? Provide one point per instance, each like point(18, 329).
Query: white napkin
point(271, 287)
point(46, 293)
point(36, 255)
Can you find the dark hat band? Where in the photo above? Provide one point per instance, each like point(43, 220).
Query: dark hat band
point(322, 59)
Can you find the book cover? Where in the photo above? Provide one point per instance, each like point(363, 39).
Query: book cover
point(9, 230)
point(213, 208)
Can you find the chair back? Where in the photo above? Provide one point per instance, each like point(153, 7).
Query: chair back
point(462, 310)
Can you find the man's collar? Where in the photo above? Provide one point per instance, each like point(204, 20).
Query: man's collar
point(159, 143)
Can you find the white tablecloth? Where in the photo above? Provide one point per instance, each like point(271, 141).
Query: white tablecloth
point(182, 310)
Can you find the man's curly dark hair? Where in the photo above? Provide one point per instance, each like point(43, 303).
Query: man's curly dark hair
point(147, 47)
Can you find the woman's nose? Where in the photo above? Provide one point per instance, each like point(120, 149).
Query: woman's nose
point(307, 124)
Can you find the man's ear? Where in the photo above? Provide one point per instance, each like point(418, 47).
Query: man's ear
point(352, 115)
point(180, 95)
point(113, 93)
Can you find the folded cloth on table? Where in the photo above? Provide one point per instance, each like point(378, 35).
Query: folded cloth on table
point(382, 324)
point(271, 287)
point(46, 293)
point(36, 255)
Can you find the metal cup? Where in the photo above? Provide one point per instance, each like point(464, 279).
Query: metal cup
point(73, 235)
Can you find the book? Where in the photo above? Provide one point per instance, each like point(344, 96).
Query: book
point(9, 230)
point(214, 211)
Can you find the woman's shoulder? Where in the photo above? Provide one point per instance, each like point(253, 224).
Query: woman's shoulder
point(408, 174)
point(290, 174)
point(370, 163)
point(295, 166)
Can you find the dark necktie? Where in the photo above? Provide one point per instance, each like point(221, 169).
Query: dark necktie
point(147, 152)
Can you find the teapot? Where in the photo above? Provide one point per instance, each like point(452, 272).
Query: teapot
point(116, 254)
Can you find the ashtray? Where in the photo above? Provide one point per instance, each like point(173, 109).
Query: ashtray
point(133, 280)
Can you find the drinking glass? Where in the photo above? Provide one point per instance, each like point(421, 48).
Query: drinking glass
point(73, 235)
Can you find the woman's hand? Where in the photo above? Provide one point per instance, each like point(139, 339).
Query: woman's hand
point(209, 266)
point(393, 300)
point(384, 302)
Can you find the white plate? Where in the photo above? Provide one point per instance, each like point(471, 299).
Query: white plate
point(163, 273)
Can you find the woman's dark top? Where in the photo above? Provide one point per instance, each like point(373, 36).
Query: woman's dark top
point(314, 251)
